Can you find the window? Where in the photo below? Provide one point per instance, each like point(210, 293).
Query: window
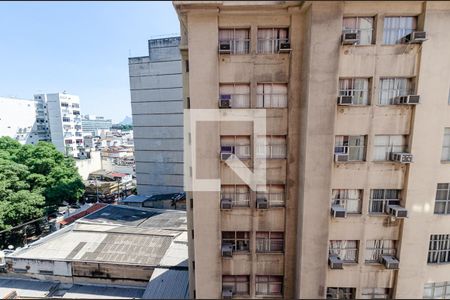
point(393, 87)
point(239, 39)
point(384, 145)
point(240, 144)
point(376, 248)
point(240, 240)
point(269, 39)
point(186, 63)
point(349, 199)
point(274, 193)
point(238, 284)
point(363, 25)
point(396, 28)
point(446, 145)
point(239, 194)
point(380, 199)
point(439, 250)
point(354, 146)
point(66, 119)
point(64, 104)
point(271, 95)
point(358, 88)
point(269, 285)
point(345, 250)
point(376, 293)
point(269, 241)
point(271, 146)
point(340, 293)
point(437, 290)
point(240, 94)
point(442, 203)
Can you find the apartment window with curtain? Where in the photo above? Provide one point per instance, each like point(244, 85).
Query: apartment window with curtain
point(361, 25)
point(239, 194)
point(239, 39)
point(381, 198)
point(358, 88)
point(377, 248)
point(349, 199)
point(442, 201)
point(271, 146)
point(393, 87)
point(274, 193)
point(240, 240)
point(437, 290)
point(446, 145)
point(238, 284)
point(376, 293)
point(269, 39)
point(346, 250)
point(239, 92)
point(341, 293)
point(269, 241)
point(384, 145)
point(353, 146)
point(396, 28)
point(269, 285)
point(271, 95)
point(439, 249)
point(240, 145)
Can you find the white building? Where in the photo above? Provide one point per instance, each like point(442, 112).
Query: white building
point(17, 119)
point(94, 124)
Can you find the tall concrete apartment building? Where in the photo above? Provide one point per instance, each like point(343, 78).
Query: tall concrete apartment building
point(23, 128)
point(91, 124)
point(157, 107)
point(356, 203)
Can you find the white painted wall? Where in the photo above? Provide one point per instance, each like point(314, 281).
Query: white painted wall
point(18, 115)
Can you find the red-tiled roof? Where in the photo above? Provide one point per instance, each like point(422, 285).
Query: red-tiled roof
point(73, 218)
point(119, 174)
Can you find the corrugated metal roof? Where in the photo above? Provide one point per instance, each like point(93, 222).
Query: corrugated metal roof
point(103, 292)
point(168, 284)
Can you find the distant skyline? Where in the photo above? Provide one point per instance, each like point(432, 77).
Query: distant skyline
point(79, 47)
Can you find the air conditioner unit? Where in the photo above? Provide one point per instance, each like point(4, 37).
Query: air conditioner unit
point(338, 211)
point(345, 100)
point(416, 37)
point(335, 262)
point(226, 203)
point(404, 158)
point(350, 38)
point(397, 211)
point(225, 101)
point(227, 294)
point(340, 157)
point(389, 261)
point(262, 203)
point(227, 250)
point(285, 47)
point(225, 47)
point(409, 99)
point(226, 152)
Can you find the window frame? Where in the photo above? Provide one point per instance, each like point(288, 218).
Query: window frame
point(342, 250)
point(235, 195)
point(390, 145)
point(352, 91)
point(372, 293)
point(446, 140)
point(236, 241)
point(445, 202)
point(272, 197)
point(343, 201)
point(269, 281)
point(358, 28)
point(410, 89)
point(275, 41)
point(235, 282)
point(341, 293)
point(384, 201)
point(269, 145)
point(271, 95)
point(346, 147)
point(439, 241)
point(399, 37)
point(380, 251)
point(267, 242)
point(234, 41)
point(444, 285)
point(238, 146)
point(234, 95)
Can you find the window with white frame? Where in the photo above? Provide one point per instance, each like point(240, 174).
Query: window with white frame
point(271, 95)
point(346, 250)
point(439, 249)
point(274, 193)
point(240, 145)
point(437, 290)
point(396, 28)
point(240, 240)
point(238, 284)
point(341, 293)
point(239, 39)
point(269, 241)
point(376, 248)
point(446, 145)
point(239, 194)
point(353, 146)
point(269, 285)
point(393, 87)
point(239, 92)
point(349, 199)
point(384, 145)
point(358, 88)
point(361, 25)
point(381, 198)
point(270, 39)
point(442, 201)
point(271, 146)
point(376, 293)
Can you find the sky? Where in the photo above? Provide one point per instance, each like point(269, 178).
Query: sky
point(78, 47)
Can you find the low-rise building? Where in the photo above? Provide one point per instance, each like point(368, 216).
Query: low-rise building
point(167, 201)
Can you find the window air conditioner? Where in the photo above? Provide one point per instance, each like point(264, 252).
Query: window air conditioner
point(345, 100)
point(335, 262)
point(285, 47)
point(409, 99)
point(225, 203)
point(389, 261)
point(225, 101)
point(397, 211)
point(416, 37)
point(262, 203)
point(338, 211)
point(340, 157)
point(350, 38)
point(404, 158)
point(227, 250)
point(224, 47)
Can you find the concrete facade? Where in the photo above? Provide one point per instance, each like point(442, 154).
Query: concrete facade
point(22, 129)
point(313, 123)
point(157, 107)
point(93, 125)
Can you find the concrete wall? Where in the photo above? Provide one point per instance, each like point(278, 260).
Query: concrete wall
point(20, 128)
point(86, 166)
